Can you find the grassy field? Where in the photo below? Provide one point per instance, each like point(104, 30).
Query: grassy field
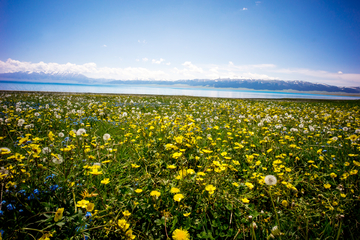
point(87, 166)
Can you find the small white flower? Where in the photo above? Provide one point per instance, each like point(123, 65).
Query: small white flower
point(106, 136)
point(61, 134)
point(345, 129)
point(270, 180)
point(37, 114)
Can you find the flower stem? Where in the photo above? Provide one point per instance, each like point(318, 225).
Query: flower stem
point(277, 217)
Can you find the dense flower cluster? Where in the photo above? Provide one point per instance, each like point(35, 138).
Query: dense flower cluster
point(93, 166)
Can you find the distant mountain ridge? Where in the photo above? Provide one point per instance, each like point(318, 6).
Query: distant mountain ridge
point(255, 84)
point(43, 76)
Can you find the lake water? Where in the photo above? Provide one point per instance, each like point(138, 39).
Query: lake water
point(159, 90)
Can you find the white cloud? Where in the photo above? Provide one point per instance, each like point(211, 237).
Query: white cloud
point(104, 45)
point(137, 60)
point(157, 61)
point(214, 70)
point(191, 67)
point(258, 3)
point(143, 41)
point(251, 67)
point(88, 69)
point(145, 59)
point(187, 71)
point(231, 63)
point(325, 77)
point(244, 9)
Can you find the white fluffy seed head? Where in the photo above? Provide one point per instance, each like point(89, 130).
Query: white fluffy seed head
point(270, 180)
point(106, 136)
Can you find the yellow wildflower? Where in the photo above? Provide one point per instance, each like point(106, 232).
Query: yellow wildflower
point(155, 194)
point(180, 234)
point(210, 188)
point(58, 214)
point(105, 181)
point(178, 197)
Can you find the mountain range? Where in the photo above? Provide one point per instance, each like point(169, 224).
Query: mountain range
point(251, 84)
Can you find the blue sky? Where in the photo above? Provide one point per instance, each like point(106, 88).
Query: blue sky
point(317, 41)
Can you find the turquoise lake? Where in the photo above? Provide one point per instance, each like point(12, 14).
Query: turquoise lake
point(160, 90)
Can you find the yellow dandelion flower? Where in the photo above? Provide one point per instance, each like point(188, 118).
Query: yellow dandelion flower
point(174, 190)
point(178, 197)
point(155, 194)
point(180, 234)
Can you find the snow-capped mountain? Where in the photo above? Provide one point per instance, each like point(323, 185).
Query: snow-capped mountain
point(44, 76)
point(253, 84)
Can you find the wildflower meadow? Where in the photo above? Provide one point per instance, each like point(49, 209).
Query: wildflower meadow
point(87, 166)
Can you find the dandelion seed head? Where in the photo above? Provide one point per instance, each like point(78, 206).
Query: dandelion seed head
point(106, 136)
point(270, 180)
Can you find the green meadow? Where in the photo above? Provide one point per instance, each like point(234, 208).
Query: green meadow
point(87, 166)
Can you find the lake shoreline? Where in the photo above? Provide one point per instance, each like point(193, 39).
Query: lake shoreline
point(182, 96)
point(187, 87)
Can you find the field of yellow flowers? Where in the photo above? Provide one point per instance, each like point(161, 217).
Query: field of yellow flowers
point(86, 166)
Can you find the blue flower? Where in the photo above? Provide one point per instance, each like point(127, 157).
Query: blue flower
point(50, 176)
point(1, 213)
point(22, 192)
point(30, 197)
point(53, 187)
point(10, 207)
point(20, 210)
point(88, 214)
point(3, 202)
point(36, 191)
